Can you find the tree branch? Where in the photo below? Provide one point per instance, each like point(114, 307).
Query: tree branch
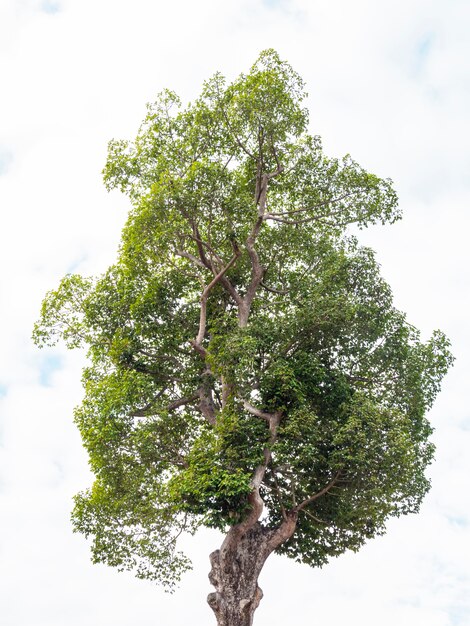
point(237, 140)
point(272, 290)
point(317, 206)
point(254, 499)
point(320, 493)
point(206, 404)
point(280, 167)
point(322, 218)
point(147, 410)
point(281, 534)
point(192, 258)
point(314, 517)
point(201, 244)
point(278, 494)
point(257, 271)
point(257, 412)
point(205, 294)
point(181, 402)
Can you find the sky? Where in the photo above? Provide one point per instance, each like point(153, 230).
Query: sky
point(389, 83)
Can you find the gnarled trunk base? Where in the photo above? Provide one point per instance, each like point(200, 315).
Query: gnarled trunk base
point(236, 568)
point(234, 574)
point(230, 612)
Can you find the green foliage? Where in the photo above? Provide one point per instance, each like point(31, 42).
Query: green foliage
point(324, 347)
point(132, 530)
point(216, 481)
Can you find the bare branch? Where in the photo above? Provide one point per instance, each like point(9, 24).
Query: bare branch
point(206, 404)
point(201, 245)
point(204, 297)
point(284, 292)
point(257, 412)
point(283, 532)
point(227, 285)
point(199, 348)
point(208, 263)
point(191, 257)
point(181, 402)
point(257, 270)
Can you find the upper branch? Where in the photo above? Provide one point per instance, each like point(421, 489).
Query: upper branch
point(316, 218)
point(206, 402)
point(283, 532)
point(238, 141)
point(202, 246)
point(197, 344)
point(257, 412)
point(279, 167)
point(315, 206)
point(280, 292)
point(257, 270)
point(192, 258)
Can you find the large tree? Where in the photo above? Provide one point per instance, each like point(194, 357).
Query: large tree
point(247, 369)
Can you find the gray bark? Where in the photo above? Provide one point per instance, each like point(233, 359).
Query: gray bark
point(236, 568)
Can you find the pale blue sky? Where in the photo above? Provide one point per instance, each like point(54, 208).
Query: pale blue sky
point(5, 160)
point(49, 364)
point(50, 6)
point(422, 52)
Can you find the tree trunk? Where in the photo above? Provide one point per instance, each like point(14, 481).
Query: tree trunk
point(236, 568)
point(234, 574)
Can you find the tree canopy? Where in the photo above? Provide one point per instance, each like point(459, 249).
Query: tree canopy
point(246, 362)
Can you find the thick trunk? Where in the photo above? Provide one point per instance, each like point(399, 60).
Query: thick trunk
point(235, 571)
point(234, 574)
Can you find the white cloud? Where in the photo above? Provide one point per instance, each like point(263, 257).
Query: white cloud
point(388, 83)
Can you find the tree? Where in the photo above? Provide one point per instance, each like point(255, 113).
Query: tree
point(247, 369)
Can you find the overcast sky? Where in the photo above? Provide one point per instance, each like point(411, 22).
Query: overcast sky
point(389, 82)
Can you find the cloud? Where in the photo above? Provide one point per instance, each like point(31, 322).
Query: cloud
point(389, 83)
point(5, 159)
